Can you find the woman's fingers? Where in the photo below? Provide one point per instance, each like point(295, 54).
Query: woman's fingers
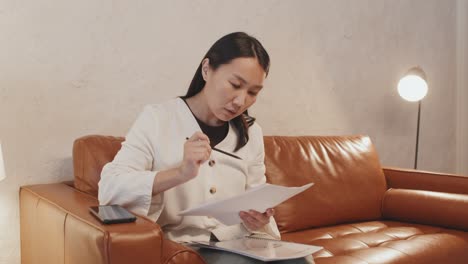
point(270, 212)
point(197, 150)
point(199, 136)
point(255, 220)
point(199, 155)
point(261, 218)
point(197, 142)
point(249, 221)
point(200, 143)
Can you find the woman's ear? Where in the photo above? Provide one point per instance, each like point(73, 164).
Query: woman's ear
point(205, 68)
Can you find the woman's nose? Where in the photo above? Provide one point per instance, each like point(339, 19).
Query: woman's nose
point(239, 100)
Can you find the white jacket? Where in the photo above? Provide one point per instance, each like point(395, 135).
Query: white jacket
point(156, 143)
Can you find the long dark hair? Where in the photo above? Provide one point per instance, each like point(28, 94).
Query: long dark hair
point(223, 51)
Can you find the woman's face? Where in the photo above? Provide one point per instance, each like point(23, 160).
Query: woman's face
point(233, 87)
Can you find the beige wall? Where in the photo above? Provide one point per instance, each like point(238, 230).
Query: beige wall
point(71, 68)
point(462, 87)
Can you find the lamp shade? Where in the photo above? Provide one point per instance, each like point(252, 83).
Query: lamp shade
point(413, 86)
point(2, 164)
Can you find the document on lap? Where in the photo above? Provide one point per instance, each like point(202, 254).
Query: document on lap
point(259, 198)
point(264, 249)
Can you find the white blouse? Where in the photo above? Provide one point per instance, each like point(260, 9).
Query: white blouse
point(156, 143)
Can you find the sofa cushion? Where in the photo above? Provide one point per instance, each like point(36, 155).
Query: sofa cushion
point(384, 242)
point(349, 182)
point(90, 154)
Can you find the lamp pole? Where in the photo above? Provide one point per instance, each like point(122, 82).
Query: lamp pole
point(417, 136)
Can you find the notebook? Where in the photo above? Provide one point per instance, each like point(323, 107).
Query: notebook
point(261, 248)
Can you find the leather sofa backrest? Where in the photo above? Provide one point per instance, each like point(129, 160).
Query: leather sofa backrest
point(90, 154)
point(349, 181)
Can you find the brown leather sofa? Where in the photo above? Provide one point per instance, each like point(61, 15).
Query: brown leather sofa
point(358, 212)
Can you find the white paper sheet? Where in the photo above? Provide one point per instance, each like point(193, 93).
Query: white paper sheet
point(259, 198)
point(263, 249)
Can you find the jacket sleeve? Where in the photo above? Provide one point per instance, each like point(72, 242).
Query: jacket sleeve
point(256, 176)
point(128, 179)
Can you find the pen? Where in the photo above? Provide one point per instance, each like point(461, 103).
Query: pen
point(224, 152)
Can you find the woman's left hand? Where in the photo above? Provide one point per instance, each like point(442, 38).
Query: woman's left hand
point(254, 220)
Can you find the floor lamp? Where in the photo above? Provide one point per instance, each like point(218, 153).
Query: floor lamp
point(413, 87)
point(2, 165)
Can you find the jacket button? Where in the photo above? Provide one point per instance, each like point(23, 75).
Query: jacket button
point(213, 190)
point(211, 163)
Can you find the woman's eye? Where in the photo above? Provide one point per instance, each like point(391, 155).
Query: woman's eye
point(253, 93)
point(237, 86)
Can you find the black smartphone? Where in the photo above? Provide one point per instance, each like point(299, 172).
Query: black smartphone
point(112, 214)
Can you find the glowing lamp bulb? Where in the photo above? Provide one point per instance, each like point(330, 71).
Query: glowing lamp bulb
point(412, 88)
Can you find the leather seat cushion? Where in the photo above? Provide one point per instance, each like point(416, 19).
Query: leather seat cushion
point(385, 242)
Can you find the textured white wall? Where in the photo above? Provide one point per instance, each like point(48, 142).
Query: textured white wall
point(71, 68)
point(462, 87)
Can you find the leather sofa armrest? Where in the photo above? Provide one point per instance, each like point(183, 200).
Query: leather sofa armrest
point(176, 253)
point(56, 227)
point(423, 180)
point(427, 207)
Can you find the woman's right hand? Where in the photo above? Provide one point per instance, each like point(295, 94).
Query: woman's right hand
point(197, 150)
